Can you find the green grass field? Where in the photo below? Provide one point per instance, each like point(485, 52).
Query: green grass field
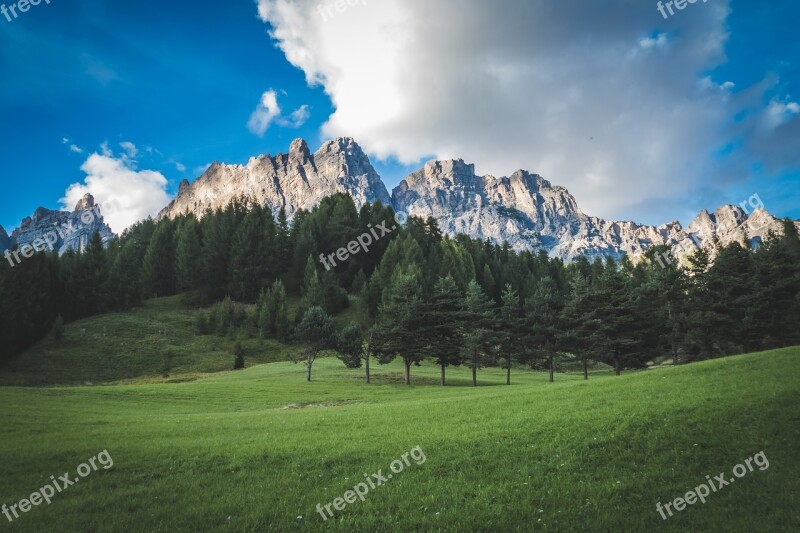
point(258, 449)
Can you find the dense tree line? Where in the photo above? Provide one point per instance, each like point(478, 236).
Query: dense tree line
point(452, 301)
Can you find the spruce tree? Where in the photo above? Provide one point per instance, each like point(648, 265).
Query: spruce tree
point(443, 325)
point(479, 335)
point(396, 332)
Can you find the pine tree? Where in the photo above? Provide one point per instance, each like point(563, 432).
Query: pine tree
point(188, 256)
point(511, 329)
point(316, 332)
point(284, 242)
point(442, 320)
point(353, 348)
point(158, 267)
point(542, 315)
point(396, 332)
point(618, 334)
point(479, 334)
point(217, 237)
point(253, 255)
point(313, 294)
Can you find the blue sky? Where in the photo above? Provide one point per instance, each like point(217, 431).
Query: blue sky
point(180, 81)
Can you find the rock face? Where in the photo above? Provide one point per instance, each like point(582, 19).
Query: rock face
point(62, 230)
point(297, 180)
point(726, 225)
point(523, 209)
point(529, 213)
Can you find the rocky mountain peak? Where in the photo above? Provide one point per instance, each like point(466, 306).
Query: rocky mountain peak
point(85, 203)
point(66, 230)
point(295, 180)
point(38, 215)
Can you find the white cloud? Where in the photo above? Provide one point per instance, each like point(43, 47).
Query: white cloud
point(126, 195)
point(267, 110)
point(130, 149)
point(72, 147)
point(659, 41)
point(180, 167)
point(778, 113)
point(298, 117)
point(552, 87)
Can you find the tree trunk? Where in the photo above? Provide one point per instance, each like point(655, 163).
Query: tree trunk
point(585, 370)
point(674, 355)
point(407, 363)
point(442, 375)
point(308, 367)
point(368, 369)
point(508, 372)
point(551, 369)
point(474, 374)
point(617, 369)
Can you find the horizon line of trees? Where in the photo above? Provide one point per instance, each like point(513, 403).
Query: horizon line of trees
point(454, 301)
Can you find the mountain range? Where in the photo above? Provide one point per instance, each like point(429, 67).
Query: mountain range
point(523, 209)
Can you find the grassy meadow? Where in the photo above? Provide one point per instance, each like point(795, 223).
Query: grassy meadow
point(258, 449)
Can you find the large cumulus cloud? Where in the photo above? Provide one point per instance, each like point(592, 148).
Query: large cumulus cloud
point(606, 98)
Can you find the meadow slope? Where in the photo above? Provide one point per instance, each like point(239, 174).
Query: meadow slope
point(258, 449)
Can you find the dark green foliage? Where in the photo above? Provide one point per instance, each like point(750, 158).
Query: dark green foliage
point(518, 307)
point(254, 255)
point(238, 354)
point(158, 267)
point(188, 265)
point(442, 323)
point(401, 318)
point(57, 332)
point(316, 331)
point(272, 314)
point(479, 335)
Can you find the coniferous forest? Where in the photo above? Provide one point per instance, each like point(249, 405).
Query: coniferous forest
point(427, 297)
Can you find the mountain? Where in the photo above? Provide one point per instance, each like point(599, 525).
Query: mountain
point(61, 230)
point(297, 180)
point(529, 213)
point(523, 209)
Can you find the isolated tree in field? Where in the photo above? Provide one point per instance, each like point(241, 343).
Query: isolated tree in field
point(479, 328)
point(353, 347)
point(316, 332)
point(442, 325)
point(397, 331)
